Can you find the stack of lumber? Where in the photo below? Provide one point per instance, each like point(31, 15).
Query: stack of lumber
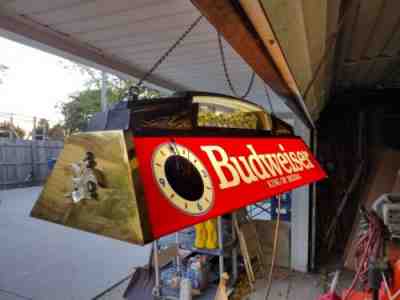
point(255, 240)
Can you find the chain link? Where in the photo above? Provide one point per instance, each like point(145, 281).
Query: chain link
point(168, 52)
point(228, 78)
point(267, 94)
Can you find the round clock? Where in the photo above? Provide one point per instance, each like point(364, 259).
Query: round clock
point(183, 179)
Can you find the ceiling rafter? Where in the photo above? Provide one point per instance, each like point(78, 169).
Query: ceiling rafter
point(372, 59)
point(234, 27)
point(30, 29)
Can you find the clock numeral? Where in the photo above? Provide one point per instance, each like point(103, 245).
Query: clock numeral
point(200, 208)
point(186, 205)
point(158, 165)
point(162, 153)
point(206, 199)
point(162, 181)
point(172, 196)
point(205, 175)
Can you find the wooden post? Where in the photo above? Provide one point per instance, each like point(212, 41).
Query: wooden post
point(104, 105)
point(34, 151)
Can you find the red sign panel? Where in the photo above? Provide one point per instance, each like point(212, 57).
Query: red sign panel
point(188, 180)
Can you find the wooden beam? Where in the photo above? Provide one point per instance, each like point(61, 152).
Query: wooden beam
point(377, 72)
point(255, 11)
point(315, 22)
point(298, 52)
point(332, 29)
point(363, 70)
point(259, 18)
point(366, 22)
point(392, 47)
point(385, 29)
point(350, 13)
point(389, 72)
point(225, 18)
point(71, 48)
point(372, 59)
point(235, 27)
point(367, 71)
point(287, 19)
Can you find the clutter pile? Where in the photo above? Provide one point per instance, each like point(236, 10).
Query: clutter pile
point(376, 254)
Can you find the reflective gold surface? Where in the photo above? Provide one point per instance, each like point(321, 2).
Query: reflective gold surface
point(112, 208)
point(227, 112)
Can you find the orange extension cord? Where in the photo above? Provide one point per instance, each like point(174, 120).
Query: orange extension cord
point(368, 246)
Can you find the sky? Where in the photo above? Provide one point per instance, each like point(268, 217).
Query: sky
point(34, 83)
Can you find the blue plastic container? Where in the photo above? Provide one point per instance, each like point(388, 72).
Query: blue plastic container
point(51, 163)
point(286, 207)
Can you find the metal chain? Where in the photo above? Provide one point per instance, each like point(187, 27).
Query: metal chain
point(228, 78)
point(267, 94)
point(168, 52)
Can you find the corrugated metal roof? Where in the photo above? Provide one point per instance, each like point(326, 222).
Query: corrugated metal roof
point(139, 32)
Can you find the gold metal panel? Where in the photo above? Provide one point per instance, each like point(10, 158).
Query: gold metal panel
point(95, 186)
point(218, 111)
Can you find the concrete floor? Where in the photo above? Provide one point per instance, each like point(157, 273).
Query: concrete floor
point(41, 260)
point(295, 286)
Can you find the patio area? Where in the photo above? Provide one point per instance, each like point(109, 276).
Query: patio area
point(40, 260)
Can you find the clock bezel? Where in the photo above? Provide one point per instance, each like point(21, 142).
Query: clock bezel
point(210, 192)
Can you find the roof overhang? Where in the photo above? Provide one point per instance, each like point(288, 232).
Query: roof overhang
point(25, 31)
point(126, 38)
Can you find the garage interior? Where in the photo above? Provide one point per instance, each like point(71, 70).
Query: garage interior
point(331, 69)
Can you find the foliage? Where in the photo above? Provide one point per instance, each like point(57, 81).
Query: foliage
point(56, 132)
point(42, 127)
point(20, 132)
point(80, 107)
point(43, 124)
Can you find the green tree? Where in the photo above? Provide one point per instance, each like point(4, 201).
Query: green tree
point(19, 132)
point(57, 132)
point(43, 124)
point(79, 108)
point(42, 128)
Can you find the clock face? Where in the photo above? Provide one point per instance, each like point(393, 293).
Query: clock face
point(183, 179)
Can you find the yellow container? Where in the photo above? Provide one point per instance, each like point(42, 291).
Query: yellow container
point(200, 235)
point(212, 234)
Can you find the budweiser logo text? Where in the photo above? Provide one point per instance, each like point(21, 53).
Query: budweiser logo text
point(231, 170)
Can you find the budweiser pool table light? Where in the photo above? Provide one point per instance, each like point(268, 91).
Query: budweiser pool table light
point(148, 168)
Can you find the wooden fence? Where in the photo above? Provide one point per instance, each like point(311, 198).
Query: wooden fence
point(25, 163)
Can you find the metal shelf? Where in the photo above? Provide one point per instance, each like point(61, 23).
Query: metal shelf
point(216, 252)
point(186, 244)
